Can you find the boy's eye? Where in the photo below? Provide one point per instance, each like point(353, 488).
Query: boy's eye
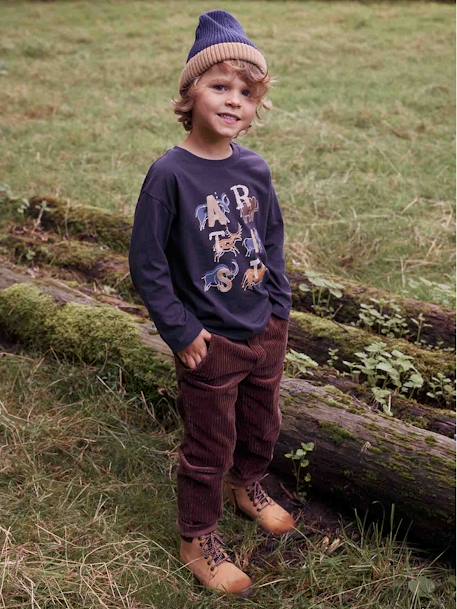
point(246, 92)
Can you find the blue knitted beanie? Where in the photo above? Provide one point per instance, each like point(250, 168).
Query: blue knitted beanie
point(219, 36)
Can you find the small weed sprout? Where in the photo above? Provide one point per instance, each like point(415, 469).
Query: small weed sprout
point(300, 462)
point(442, 387)
point(420, 323)
point(393, 326)
point(321, 292)
point(30, 255)
point(299, 364)
point(333, 358)
point(43, 207)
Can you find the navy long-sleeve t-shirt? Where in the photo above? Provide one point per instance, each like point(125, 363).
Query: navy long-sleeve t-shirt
point(207, 247)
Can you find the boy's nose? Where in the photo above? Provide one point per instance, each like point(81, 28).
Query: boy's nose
point(234, 99)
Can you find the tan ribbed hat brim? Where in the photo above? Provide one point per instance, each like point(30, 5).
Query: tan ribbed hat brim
point(219, 52)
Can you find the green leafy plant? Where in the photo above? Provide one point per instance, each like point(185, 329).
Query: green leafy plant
point(388, 324)
point(442, 387)
point(300, 462)
point(383, 397)
point(321, 292)
point(333, 358)
point(6, 197)
point(299, 364)
point(422, 587)
point(384, 369)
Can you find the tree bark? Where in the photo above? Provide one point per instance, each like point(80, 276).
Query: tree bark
point(360, 456)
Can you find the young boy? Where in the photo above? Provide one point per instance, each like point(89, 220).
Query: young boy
point(207, 258)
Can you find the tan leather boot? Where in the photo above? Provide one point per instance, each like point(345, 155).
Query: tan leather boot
point(255, 502)
point(206, 557)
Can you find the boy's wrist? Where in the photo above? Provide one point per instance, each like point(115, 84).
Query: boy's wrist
point(186, 338)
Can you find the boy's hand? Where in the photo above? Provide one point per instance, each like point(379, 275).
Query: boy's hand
point(192, 355)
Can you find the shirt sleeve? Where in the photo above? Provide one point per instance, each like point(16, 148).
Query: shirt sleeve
point(278, 285)
point(150, 274)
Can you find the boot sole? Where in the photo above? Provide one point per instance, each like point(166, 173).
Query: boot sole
point(243, 594)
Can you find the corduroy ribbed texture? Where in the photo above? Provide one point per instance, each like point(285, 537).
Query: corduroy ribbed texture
point(230, 409)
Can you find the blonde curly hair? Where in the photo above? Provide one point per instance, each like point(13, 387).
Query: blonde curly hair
point(258, 82)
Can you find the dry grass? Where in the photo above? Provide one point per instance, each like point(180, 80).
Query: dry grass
point(88, 509)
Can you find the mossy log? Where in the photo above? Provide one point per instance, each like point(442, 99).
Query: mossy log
point(308, 333)
point(47, 314)
point(360, 456)
point(315, 335)
point(439, 323)
point(90, 262)
point(107, 227)
point(114, 230)
point(430, 418)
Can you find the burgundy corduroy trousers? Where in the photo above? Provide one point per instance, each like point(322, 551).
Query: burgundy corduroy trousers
point(229, 405)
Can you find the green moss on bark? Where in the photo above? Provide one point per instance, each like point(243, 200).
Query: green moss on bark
point(336, 433)
point(98, 335)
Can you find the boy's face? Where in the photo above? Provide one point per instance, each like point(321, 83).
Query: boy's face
point(219, 93)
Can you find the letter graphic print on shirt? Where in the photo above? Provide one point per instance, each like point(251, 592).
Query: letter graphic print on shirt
point(242, 241)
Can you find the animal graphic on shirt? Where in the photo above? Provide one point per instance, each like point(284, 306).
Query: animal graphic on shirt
point(221, 277)
point(253, 243)
point(221, 246)
point(249, 206)
point(253, 277)
point(211, 211)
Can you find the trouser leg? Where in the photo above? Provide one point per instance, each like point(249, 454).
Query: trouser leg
point(206, 402)
point(258, 414)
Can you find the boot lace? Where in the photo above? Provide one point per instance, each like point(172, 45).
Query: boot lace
point(213, 548)
point(258, 495)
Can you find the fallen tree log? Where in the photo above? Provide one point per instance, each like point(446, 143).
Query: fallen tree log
point(308, 333)
point(91, 261)
point(438, 420)
point(114, 229)
point(107, 227)
point(438, 324)
point(360, 456)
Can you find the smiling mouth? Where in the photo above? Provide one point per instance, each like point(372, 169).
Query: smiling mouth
point(229, 118)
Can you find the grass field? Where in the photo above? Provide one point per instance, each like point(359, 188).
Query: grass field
point(361, 145)
point(360, 140)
